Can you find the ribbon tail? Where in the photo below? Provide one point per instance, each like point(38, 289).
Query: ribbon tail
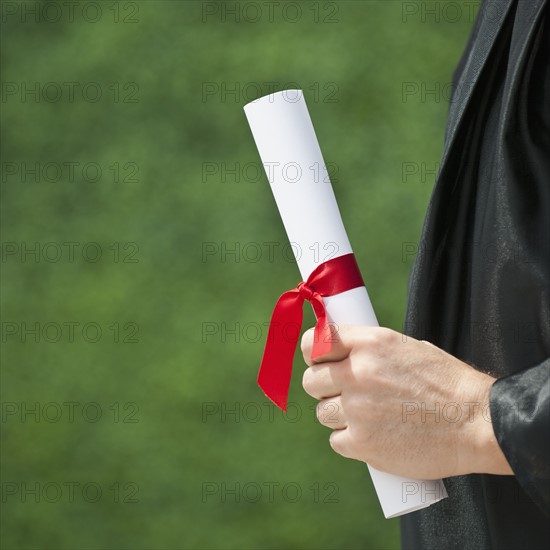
point(282, 338)
point(322, 337)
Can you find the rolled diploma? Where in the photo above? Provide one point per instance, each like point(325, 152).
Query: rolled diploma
point(297, 173)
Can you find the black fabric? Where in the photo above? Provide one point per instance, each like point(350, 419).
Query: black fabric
point(520, 411)
point(480, 284)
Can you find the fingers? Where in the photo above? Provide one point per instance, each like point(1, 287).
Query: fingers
point(342, 341)
point(342, 443)
point(327, 379)
point(331, 414)
point(307, 345)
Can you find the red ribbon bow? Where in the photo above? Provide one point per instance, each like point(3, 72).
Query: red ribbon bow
point(328, 279)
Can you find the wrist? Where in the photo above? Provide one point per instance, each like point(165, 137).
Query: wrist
point(487, 456)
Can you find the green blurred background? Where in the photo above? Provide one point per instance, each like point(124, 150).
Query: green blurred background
point(132, 442)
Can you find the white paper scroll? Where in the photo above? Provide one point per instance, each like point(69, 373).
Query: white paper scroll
point(291, 156)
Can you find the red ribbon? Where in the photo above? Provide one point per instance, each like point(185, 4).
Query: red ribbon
point(328, 279)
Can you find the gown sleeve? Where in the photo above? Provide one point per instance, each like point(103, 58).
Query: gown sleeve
point(520, 412)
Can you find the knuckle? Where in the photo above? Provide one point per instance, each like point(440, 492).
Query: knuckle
point(339, 444)
point(327, 412)
point(369, 338)
point(307, 380)
point(319, 413)
point(351, 403)
point(306, 342)
point(386, 335)
point(380, 340)
point(373, 369)
point(334, 442)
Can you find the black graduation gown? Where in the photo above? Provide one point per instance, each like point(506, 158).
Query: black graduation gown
point(480, 284)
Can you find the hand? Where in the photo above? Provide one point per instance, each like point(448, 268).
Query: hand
point(403, 405)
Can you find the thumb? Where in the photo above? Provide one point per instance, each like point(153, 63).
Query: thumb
point(342, 339)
